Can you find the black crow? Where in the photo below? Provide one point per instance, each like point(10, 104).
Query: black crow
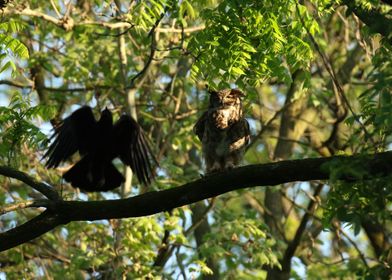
point(98, 143)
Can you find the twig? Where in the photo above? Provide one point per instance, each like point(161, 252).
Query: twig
point(22, 85)
point(182, 270)
point(202, 218)
point(152, 53)
point(336, 82)
point(55, 9)
point(361, 255)
point(109, 25)
point(289, 253)
point(15, 206)
point(164, 256)
point(264, 127)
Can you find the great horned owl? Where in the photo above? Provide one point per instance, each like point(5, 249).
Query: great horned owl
point(223, 130)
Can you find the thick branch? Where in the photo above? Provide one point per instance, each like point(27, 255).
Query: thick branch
point(34, 228)
point(41, 187)
point(269, 174)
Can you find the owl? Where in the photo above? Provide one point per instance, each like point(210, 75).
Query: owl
point(223, 130)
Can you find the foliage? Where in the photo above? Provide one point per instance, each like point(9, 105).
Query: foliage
point(9, 44)
point(156, 57)
point(248, 42)
point(241, 241)
point(17, 128)
point(376, 102)
point(353, 203)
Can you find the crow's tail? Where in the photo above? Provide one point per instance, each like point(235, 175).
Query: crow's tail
point(93, 176)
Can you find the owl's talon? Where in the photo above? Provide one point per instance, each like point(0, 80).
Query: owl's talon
point(212, 171)
point(229, 166)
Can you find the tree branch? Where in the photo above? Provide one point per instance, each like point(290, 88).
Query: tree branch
point(57, 89)
point(16, 206)
point(41, 187)
point(270, 174)
point(375, 20)
point(34, 228)
point(109, 25)
point(293, 245)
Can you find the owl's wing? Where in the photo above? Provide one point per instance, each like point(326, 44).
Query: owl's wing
point(199, 127)
point(75, 133)
point(239, 134)
point(133, 149)
point(246, 131)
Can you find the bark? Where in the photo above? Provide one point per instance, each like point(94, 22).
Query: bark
point(62, 212)
point(198, 210)
point(294, 121)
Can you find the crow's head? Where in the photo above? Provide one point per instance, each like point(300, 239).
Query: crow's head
point(106, 117)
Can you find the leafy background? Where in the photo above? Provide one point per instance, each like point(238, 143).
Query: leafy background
point(317, 78)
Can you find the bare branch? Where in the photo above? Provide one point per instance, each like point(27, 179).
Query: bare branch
point(270, 174)
point(291, 248)
point(352, 242)
point(181, 30)
point(340, 95)
point(109, 25)
point(15, 206)
point(41, 187)
point(58, 89)
point(25, 204)
point(147, 65)
point(34, 13)
point(34, 228)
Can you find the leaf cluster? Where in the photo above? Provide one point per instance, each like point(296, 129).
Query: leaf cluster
point(248, 42)
point(240, 240)
point(376, 100)
point(353, 202)
point(18, 126)
point(10, 45)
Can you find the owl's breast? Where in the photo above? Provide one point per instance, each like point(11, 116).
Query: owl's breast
point(220, 118)
point(217, 142)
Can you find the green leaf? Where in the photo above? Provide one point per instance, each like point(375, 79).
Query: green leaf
point(237, 71)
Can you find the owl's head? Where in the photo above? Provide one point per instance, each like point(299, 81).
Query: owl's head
point(225, 97)
point(225, 107)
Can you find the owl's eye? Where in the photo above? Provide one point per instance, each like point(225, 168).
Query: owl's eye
point(230, 100)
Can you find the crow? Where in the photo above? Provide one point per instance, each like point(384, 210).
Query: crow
point(98, 143)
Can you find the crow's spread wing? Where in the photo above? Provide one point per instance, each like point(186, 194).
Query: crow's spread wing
point(199, 127)
point(75, 133)
point(133, 149)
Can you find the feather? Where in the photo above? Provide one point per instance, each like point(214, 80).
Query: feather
point(133, 149)
point(98, 143)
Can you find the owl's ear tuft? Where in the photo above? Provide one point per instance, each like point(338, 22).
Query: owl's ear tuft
point(237, 92)
point(211, 91)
